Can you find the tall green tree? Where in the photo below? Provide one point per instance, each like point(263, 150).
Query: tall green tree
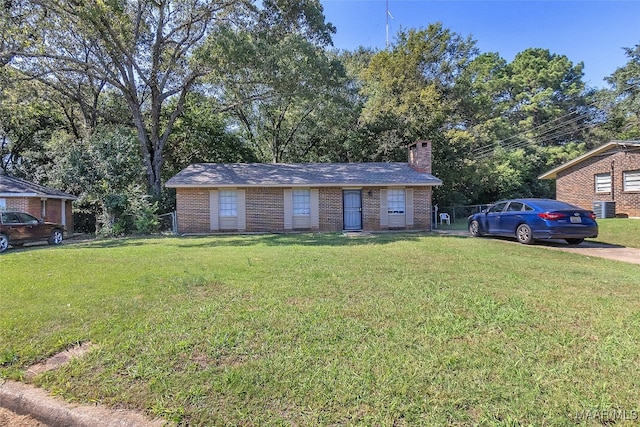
point(200, 135)
point(143, 49)
point(276, 77)
point(623, 98)
point(410, 92)
point(518, 118)
point(28, 118)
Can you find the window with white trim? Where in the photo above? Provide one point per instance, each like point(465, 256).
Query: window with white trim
point(603, 183)
point(43, 208)
point(395, 201)
point(301, 202)
point(228, 203)
point(3, 205)
point(631, 181)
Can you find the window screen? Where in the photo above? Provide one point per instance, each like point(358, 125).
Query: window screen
point(301, 202)
point(228, 203)
point(395, 201)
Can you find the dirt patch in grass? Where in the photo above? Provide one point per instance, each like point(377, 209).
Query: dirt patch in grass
point(59, 359)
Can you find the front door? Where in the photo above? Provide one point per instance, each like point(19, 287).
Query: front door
point(352, 205)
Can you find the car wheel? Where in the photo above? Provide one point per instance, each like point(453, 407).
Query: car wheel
point(574, 241)
point(4, 242)
point(56, 237)
point(524, 234)
point(474, 228)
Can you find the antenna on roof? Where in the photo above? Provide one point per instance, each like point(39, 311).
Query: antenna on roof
point(388, 15)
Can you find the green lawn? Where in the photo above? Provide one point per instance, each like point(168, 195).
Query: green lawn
point(619, 231)
point(394, 329)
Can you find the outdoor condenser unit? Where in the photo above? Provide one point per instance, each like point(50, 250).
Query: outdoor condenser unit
point(604, 209)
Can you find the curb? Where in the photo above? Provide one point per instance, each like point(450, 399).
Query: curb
point(24, 399)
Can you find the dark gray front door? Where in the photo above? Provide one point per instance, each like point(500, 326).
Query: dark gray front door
point(352, 204)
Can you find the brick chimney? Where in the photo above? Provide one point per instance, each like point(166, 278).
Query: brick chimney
point(420, 156)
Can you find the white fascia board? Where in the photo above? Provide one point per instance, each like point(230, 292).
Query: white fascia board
point(434, 183)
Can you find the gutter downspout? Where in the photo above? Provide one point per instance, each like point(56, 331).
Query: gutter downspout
point(613, 193)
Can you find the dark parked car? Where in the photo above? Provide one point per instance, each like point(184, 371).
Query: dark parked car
point(535, 219)
point(18, 228)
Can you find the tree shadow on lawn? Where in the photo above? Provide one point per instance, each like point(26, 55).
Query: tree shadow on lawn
point(295, 239)
point(235, 240)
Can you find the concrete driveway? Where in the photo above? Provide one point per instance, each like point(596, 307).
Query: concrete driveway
point(588, 248)
point(597, 249)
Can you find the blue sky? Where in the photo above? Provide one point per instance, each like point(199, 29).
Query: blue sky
point(592, 32)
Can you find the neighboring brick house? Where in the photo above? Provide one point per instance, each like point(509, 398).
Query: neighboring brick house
point(609, 173)
point(51, 205)
point(277, 197)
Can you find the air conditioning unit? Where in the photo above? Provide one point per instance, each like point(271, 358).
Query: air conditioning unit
point(604, 209)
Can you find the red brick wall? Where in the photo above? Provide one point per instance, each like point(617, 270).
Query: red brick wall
point(330, 206)
point(422, 208)
point(33, 206)
point(420, 156)
point(69, 214)
point(20, 204)
point(192, 206)
point(576, 184)
point(265, 209)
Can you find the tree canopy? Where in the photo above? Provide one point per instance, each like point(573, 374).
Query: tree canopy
point(96, 95)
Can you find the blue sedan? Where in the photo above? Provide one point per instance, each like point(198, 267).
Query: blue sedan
point(535, 219)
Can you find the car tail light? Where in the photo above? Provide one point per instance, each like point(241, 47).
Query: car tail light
point(551, 216)
point(592, 216)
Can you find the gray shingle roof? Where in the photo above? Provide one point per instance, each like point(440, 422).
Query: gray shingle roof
point(300, 175)
point(11, 186)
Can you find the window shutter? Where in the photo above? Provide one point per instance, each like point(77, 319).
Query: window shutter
point(384, 218)
point(242, 217)
point(408, 211)
point(315, 207)
point(213, 210)
point(288, 209)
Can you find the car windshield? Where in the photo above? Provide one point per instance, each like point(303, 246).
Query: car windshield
point(554, 205)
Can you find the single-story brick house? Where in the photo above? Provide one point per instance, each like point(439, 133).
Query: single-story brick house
point(268, 197)
point(51, 205)
point(609, 173)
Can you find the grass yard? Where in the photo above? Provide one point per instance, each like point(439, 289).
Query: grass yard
point(396, 329)
point(619, 231)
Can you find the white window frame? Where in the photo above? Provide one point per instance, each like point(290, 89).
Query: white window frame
point(602, 182)
point(3, 205)
point(396, 201)
point(631, 180)
point(301, 202)
point(228, 203)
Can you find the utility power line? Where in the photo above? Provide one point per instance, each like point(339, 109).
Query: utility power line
point(521, 141)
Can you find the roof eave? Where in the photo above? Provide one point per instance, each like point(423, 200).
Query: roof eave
point(552, 174)
point(41, 195)
point(434, 183)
